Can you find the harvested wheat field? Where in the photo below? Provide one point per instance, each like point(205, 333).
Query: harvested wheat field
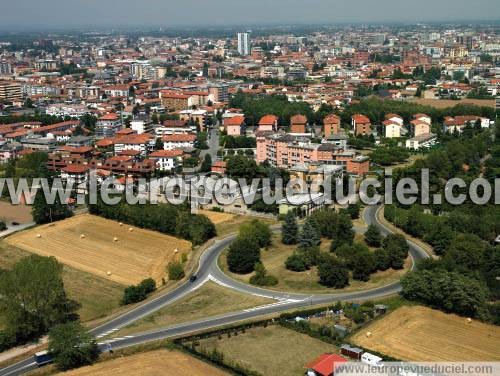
point(217, 217)
point(121, 253)
point(422, 334)
point(153, 363)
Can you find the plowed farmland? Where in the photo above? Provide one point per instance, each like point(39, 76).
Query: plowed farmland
point(105, 248)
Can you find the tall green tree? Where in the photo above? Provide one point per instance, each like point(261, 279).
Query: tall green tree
point(343, 232)
point(242, 255)
point(290, 229)
point(310, 235)
point(206, 165)
point(332, 272)
point(397, 248)
point(33, 297)
point(257, 230)
point(373, 237)
point(72, 346)
point(43, 212)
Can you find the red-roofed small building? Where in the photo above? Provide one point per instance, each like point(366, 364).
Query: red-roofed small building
point(395, 118)
point(167, 160)
point(219, 167)
point(75, 173)
point(326, 364)
point(234, 125)
point(362, 125)
point(142, 143)
point(176, 101)
point(268, 123)
point(423, 118)
point(419, 127)
point(331, 125)
point(298, 124)
point(178, 141)
point(392, 129)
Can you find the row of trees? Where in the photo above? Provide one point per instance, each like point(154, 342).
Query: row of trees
point(242, 142)
point(376, 109)
point(255, 107)
point(164, 218)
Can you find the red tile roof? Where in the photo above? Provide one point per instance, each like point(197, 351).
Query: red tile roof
point(179, 138)
point(390, 116)
point(235, 120)
point(105, 142)
point(358, 118)
point(76, 169)
point(325, 364)
point(166, 154)
point(268, 120)
point(132, 139)
point(110, 116)
point(331, 119)
point(298, 119)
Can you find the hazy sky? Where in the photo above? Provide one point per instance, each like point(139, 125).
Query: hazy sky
point(63, 13)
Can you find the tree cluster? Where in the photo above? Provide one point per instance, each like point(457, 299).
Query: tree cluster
point(138, 293)
point(33, 300)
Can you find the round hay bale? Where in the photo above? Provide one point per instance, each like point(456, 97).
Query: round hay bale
point(115, 239)
point(121, 224)
point(82, 236)
point(108, 273)
point(176, 251)
point(131, 229)
point(38, 236)
point(368, 334)
point(468, 320)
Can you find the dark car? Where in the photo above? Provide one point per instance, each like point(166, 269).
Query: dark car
point(193, 278)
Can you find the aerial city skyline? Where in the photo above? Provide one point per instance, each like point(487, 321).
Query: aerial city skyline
point(258, 188)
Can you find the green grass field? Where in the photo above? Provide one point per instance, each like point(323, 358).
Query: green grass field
point(271, 351)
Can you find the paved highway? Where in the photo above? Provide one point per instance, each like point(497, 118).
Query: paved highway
point(208, 270)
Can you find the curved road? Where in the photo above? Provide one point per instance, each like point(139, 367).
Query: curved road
point(208, 270)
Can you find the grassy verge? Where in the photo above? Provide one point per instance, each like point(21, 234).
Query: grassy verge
point(209, 300)
point(233, 225)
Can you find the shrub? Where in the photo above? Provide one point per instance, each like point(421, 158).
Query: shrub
point(175, 271)
point(134, 294)
point(296, 263)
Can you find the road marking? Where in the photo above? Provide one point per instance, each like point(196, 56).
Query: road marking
point(266, 306)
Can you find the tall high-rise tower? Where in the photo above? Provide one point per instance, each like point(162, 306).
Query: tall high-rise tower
point(244, 44)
